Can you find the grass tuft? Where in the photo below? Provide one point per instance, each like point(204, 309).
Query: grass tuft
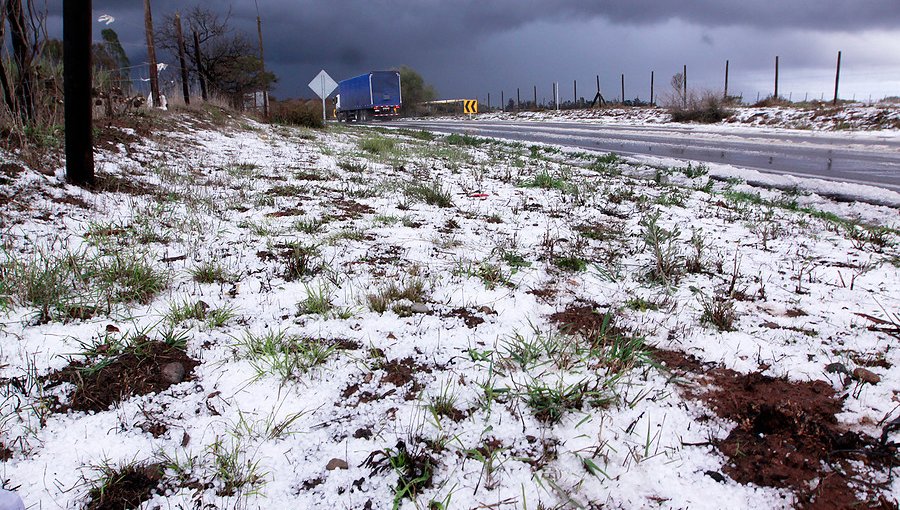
point(432, 194)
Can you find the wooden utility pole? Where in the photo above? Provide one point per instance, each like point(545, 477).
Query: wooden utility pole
point(726, 80)
point(651, 87)
point(684, 87)
point(623, 88)
point(598, 99)
point(535, 97)
point(489, 102)
point(262, 65)
point(575, 92)
point(77, 21)
point(837, 79)
point(776, 77)
point(151, 55)
point(200, 73)
point(502, 104)
point(518, 99)
point(181, 60)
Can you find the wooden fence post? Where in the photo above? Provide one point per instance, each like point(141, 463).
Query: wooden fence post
point(726, 80)
point(776, 77)
point(77, 20)
point(837, 79)
point(151, 55)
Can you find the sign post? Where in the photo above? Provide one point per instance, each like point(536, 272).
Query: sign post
point(323, 86)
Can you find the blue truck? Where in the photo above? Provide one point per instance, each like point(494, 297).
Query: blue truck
point(369, 96)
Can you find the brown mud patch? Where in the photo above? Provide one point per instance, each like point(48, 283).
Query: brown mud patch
point(137, 372)
point(9, 172)
point(104, 182)
point(585, 318)
point(112, 137)
point(5, 453)
point(351, 209)
point(403, 372)
point(126, 488)
point(470, 318)
point(787, 436)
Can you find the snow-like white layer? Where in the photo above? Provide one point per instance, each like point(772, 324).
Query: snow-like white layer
point(879, 119)
point(216, 195)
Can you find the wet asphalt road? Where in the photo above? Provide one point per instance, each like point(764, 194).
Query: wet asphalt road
point(858, 157)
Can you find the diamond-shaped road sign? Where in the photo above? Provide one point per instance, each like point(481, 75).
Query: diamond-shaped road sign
point(323, 85)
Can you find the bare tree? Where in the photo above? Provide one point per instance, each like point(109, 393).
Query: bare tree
point(229, 61)
point(678, 92)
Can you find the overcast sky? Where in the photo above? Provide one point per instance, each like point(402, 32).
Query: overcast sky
point(468, 48)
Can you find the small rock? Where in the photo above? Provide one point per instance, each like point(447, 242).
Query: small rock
point(111, 329)
point(172, 373)
point(715, 475)
point(865, 375)
point(419, 308)
point(487, 310)
point(336, 464)
point(833, 368)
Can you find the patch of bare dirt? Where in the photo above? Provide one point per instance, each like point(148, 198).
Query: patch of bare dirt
point(787, 436)
point(126, 488)
point(584, 318)
point(70, 200)
point(9, 172)
point(403, 372)
point(137, 372)
point(546, 294)
point(290, 211)
point(5, 453)
point(351, 209)
point(469, 318)
point(104, 182)
point(112, 137)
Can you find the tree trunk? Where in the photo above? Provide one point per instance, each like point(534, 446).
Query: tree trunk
point(18, 34)
point(200, 72)
point(4, 83)
point(181, 60)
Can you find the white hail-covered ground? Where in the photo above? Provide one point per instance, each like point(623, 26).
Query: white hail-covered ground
point(824, 117)
point(217, 192)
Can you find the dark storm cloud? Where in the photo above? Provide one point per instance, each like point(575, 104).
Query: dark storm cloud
point(351, 36)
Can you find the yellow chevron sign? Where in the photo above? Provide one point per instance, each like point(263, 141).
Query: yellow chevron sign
point(470, 106)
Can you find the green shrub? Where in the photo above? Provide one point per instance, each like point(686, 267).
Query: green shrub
point(378, 145)
point(708, 109)
point(296, 112)
point(465, 140)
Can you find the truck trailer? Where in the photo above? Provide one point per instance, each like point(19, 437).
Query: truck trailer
point(369, 96)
